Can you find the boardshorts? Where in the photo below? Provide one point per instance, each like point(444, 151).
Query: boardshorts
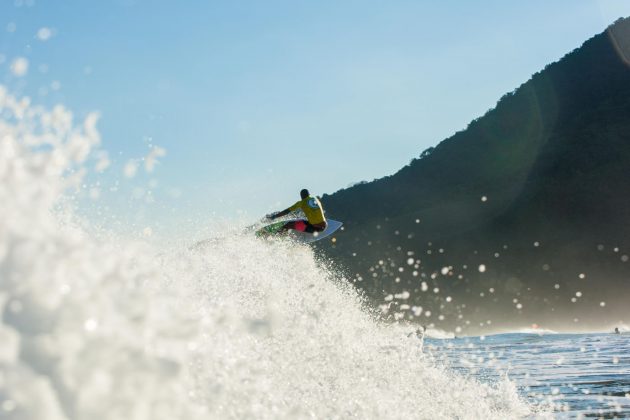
point(304, 226)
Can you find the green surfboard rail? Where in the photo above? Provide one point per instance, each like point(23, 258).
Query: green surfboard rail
point(270, 229)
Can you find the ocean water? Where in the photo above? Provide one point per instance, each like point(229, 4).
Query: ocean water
point(570, 375)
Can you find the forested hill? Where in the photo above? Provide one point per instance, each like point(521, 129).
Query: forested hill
point(537, 191)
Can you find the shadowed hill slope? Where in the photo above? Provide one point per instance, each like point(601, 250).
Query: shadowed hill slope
point(537, 191)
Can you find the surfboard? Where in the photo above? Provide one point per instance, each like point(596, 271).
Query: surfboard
point(303, 237)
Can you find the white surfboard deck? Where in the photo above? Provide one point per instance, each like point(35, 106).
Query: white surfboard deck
point(331, 227)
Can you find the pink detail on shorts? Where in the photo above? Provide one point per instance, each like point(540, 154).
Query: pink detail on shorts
point(300, 225)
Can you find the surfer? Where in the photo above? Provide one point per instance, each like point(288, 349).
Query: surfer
point(312, 208)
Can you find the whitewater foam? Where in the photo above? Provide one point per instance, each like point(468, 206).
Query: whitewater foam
point(96, 328)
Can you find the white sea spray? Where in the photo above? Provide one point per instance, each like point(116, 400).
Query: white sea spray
point(97, 328)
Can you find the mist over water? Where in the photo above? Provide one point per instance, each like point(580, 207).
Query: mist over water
point(109, 327)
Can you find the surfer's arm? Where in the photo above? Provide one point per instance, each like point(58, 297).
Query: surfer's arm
point(279, 214)
point(285, 211)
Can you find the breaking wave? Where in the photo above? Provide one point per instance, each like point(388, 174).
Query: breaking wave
point(96, 328)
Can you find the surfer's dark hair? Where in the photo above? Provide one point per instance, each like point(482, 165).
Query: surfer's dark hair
point(304, 193)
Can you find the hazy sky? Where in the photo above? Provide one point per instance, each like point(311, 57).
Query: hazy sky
point(253, 100)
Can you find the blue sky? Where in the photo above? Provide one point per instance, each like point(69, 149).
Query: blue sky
point(255, 100)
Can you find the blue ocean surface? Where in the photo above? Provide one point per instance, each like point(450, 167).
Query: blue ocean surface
point(569, 375)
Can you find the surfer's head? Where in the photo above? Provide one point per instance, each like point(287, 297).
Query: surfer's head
point(304, 193)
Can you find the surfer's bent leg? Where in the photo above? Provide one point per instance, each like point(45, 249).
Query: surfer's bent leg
point(289, 226)
point(299, 225)
point(304, 226)
point(315, 228)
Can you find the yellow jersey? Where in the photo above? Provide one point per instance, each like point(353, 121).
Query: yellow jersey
point(312, 208)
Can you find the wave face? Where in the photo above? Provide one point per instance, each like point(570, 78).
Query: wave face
point(112, 328)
